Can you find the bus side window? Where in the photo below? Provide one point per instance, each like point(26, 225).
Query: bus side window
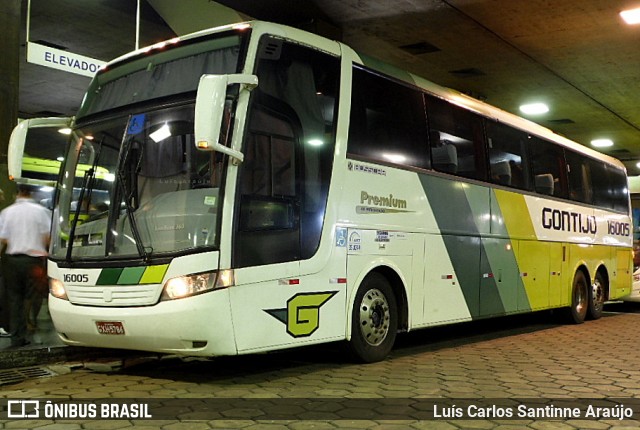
point(387, 122)
point(544, 183)
point(548, 167)
point(609, 186)
point(580, 186)
point(508, 161)
point(461, 129)
point(445, 158)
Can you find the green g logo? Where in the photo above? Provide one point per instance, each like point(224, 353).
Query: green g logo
point(302, 315)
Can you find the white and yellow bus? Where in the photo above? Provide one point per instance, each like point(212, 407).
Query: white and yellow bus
point(272, 188)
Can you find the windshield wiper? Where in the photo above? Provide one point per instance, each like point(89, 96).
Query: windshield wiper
point(87, 186)
point(88, 176)
point(142, 252)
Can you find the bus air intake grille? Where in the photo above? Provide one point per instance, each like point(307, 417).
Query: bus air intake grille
point(114, 295)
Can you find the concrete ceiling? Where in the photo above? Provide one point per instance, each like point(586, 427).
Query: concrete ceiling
point(577, 56)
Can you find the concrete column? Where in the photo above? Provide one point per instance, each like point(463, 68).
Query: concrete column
point(9, 86)
point(10, 23)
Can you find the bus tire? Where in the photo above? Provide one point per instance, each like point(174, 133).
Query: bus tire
point(577, 312)
point(596, 297)
point(374, 320)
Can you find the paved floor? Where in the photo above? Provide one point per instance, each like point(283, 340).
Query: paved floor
point(471, 369)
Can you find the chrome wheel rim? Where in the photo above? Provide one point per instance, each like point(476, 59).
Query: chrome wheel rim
point(580, 297)
point(597, 295)
point(374, 317)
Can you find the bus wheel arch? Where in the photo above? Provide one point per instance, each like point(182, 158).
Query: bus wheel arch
point(598, 293)
point(377, 312)
point(400, 293)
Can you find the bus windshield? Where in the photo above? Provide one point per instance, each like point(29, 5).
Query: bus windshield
point(148, 191)
point(134, 186)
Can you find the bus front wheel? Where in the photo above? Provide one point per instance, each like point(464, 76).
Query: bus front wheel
point(577, 312)
point(374, 320)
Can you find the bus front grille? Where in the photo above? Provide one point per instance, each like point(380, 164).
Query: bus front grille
point(115, 296)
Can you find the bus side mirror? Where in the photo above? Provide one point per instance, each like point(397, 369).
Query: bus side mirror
point(46, 133)
point(210, 100)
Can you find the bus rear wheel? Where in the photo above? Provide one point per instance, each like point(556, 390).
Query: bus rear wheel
point(597, 297)
point(577, 312)
point(374, 320)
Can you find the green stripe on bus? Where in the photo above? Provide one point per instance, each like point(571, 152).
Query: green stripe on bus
point(131, 275)
point(504, 255)
point(461, 237)
point(109, 276)
point(154, 274)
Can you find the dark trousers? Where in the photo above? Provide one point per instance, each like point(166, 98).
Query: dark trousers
point(21, 286)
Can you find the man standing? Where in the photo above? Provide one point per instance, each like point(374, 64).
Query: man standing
point(24, 228)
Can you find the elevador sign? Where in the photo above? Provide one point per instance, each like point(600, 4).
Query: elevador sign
point(62, 60)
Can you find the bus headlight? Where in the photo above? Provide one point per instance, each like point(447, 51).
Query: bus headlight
point(56, 288)
point(185, 286)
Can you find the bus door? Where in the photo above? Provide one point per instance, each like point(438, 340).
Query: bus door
point(282, 191)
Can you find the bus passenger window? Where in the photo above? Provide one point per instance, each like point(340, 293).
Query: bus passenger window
point(387, 122)
point(501, 172)
point(544, 183)
point(580, 187)
point(508, 161)
point(444, 157)
point(610, 189)
point(548, 167)
point(456, 139)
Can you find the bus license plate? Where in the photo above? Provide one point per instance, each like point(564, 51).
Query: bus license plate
point(110, 327)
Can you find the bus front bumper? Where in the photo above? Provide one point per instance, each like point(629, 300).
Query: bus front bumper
point(198, 326)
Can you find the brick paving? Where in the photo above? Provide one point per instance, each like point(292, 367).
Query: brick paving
point(535, 359)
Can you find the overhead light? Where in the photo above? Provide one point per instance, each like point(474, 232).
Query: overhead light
point(534, 108)
point(65, 130)
point(631, 16)
point(160, 134)
point(601, 143)
point(638, 165)
point(60, 158)
point(316, 142)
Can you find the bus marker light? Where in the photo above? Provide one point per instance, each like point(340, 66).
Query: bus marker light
point(226, 278)
point(289, 282)
point(338, 280)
